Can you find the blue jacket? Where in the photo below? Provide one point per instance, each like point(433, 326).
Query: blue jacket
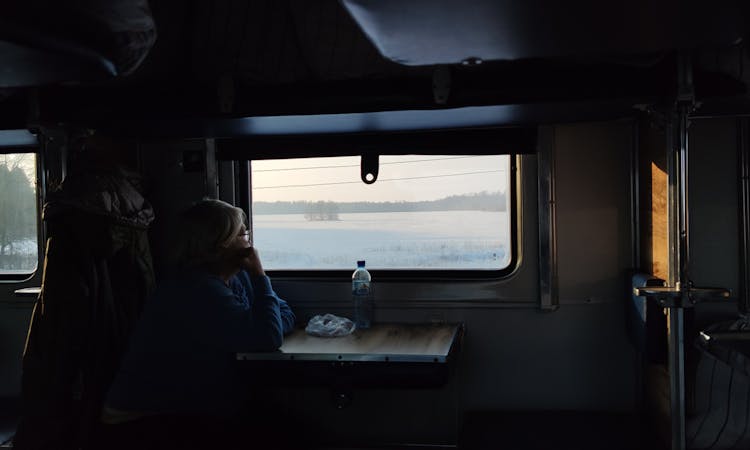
point(181, 357)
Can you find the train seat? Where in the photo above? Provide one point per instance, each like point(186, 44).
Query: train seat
point(720, 411)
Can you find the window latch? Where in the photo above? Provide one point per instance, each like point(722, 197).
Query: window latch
point(369, 167)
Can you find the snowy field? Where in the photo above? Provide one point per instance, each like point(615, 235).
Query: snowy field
point(396, 240)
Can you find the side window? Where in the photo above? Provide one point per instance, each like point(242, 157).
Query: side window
point(424, 212)
point(18, 220)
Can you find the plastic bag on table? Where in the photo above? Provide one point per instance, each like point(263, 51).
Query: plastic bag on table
point(329, 325)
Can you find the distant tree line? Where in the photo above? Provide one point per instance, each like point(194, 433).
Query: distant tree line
point(478, 201)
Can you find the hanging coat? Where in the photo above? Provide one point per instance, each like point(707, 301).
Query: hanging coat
point(97, 273)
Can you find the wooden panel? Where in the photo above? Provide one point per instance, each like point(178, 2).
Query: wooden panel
point(653, 206)
point(659, 223)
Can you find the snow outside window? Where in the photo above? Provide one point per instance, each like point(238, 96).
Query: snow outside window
point(425, 212)
point(18, 215)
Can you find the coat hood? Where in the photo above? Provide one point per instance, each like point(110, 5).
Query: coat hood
point(114, 194)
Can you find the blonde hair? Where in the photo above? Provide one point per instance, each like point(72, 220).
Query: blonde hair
point(205, 228)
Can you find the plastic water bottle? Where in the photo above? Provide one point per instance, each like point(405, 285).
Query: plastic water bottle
point(362, 296)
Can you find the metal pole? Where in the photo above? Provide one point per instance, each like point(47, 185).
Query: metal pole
point(677, 376)
point(547, 223)
point(743, 148)
point(679, 247)
point(243, 189)
point(675, 338)
point(685, 104)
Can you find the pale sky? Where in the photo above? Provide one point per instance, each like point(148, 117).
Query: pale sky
point(431, 177)
point(414, 177)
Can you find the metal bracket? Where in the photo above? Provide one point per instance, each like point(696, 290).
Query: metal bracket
point(685, 88)
point(684, 101)
point(675, 297)
point(225, 91)
point(441, 84)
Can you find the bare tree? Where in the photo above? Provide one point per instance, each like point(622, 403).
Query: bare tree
point(17, 210)
point(321, 210)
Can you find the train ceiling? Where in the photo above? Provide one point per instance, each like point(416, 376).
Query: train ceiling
point(229, 59)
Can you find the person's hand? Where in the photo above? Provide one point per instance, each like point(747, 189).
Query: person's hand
point(251, 262)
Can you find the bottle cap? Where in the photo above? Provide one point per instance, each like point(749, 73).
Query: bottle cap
point(360, 264)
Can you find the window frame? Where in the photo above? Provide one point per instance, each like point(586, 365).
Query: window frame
point(405, 274)
point(8, 278)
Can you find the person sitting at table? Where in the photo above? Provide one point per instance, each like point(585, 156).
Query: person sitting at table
point(179, 370)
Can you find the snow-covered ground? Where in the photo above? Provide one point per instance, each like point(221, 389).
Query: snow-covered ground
point(396, 240)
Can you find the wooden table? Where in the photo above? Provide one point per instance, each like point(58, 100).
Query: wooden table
point(394, 355)
point(382, 342)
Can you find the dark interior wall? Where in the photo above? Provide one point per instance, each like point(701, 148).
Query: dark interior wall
point(174, 175)
point(714, 222)
point(594, 210)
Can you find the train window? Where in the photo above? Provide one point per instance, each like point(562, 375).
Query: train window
point(424, 212)
point(18, 221)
